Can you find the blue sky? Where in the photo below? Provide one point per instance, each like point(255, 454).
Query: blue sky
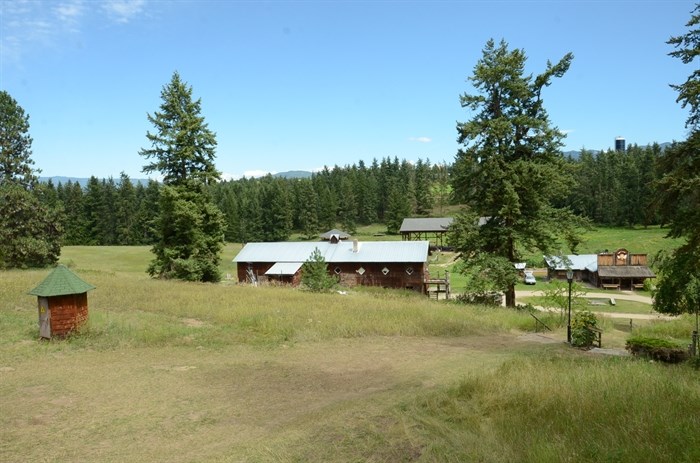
point(296, 85)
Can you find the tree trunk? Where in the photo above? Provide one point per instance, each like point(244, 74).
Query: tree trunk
point(510, 297)
point(510, 292)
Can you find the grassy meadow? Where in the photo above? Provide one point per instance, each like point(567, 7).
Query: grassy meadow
point(187, 372)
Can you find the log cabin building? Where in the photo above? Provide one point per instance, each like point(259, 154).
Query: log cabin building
point(389, 264)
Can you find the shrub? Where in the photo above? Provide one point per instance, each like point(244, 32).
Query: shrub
point(491, 298)
point(526, 308)
point(656, 349)
point(314, 273)
point(581, 333)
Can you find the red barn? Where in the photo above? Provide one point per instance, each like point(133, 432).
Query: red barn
point(62, 301)
point(390, 264)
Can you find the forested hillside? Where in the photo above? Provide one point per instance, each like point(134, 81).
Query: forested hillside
point(612, 188)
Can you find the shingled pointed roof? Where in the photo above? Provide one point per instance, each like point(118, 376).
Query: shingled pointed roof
point(61, 282)
point(329, 234)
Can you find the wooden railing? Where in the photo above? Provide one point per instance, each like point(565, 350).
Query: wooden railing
point(539, 323)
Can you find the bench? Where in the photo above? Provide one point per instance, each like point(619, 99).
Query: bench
point(638, 286)
point(610, 286)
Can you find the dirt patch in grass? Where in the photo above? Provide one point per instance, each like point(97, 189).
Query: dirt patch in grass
point(238, 403)
point(193, 322)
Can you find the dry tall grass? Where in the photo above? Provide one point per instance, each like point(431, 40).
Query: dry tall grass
point(185, 372)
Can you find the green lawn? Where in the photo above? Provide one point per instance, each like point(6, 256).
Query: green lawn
point(636, 240)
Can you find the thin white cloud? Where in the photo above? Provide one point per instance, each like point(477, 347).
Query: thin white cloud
point(29, 24)
point(68, 15)
point(122, 11)
point(567, 131)
point(226, 176)
point(257, 173)
point(23, 23)
point(421, 139)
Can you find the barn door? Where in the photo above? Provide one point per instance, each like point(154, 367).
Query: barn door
point(44, 318)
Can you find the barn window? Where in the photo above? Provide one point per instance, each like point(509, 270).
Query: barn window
point(360, 270)
point(337, 270)
point(409, 270)
point(385, 270)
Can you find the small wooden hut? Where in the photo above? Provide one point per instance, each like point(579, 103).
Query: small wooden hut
point(62, 302)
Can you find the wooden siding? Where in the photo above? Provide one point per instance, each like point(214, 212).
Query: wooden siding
point(67, 313)
point(608, 259)
point(397, 277)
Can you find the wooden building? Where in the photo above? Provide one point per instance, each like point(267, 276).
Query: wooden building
point(390, 264)
point(609, 270)
point(622, 270)
point(62, 302)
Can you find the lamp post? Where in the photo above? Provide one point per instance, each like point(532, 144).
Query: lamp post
point(569, 279)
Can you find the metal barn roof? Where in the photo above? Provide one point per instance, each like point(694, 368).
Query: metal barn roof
point(284, 268)
point(368, 251)
point(576, 262)
point(440, 224)
point(380, 251)
point(61, 282)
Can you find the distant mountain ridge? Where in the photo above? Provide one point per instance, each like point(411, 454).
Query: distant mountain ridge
point(577, 153)
point(84, 181)
point(294, 174)
point(144, 181)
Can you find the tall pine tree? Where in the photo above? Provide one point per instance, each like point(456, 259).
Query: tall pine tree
point(678, 289)
point(189, 227)
point(30, 231)
point(511, 169)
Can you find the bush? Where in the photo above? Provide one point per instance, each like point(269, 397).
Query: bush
point(314, 273)
point(481, 298)
point(581, 333)
point(656, 349)
point(526, 308)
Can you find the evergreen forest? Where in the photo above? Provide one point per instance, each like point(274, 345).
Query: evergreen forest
point(612, 188)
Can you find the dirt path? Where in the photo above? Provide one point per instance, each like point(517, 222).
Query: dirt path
point(629, 296)
point(237, 403)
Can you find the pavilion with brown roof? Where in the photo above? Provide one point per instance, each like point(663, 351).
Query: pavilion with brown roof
point(429, 229)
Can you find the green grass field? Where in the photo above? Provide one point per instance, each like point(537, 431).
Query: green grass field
point(187, 372)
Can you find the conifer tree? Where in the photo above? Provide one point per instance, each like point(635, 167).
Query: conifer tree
point(189, 227)
point(308, 210)
point(30, 231)
point(678, 289)
point(314, 273)
point(510, 169)
point(125, 211)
